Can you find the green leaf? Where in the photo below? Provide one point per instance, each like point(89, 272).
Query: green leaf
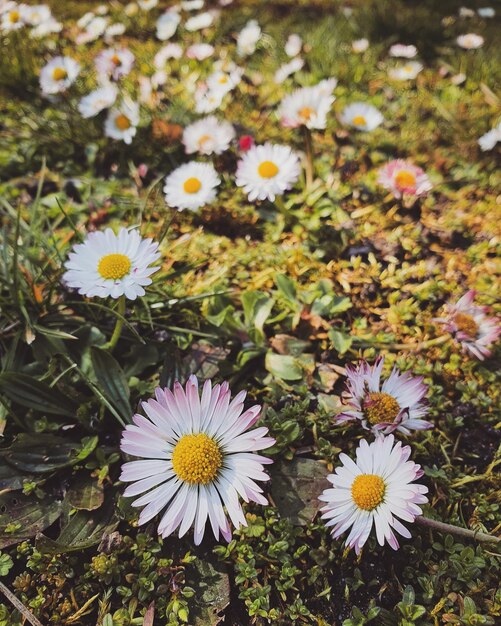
point(43, 453)
point(283, 366)
point(287, 287)
point(83, 530)
point(295, 488)
point(23, 517)
point(213, 592)
point(5, 564)
point(111, 381)
point(341, 341)
point(34, 394)
point(85, 494)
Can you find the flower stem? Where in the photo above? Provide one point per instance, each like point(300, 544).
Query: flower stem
point(118, 326)
point(456, 530)
point(416, 347)
point(308, 146)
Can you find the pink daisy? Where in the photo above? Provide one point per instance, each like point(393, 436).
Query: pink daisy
point(401, 177)
point(197, 457)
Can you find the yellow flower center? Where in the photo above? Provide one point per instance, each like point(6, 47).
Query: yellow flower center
point(223, 80)
point(192, 185)
point(196, 459)
point(14, 17)
point(59, 73)
point(466, 324)
point(204, 139)
point(305, 113)
point(405, 179)
point(267, 169)
point(359, 120)
point(381, 407)
point(122, 122)
point(115, 59)
point(367, 491)
point(114, 266)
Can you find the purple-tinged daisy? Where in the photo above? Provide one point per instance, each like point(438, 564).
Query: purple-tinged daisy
point(396, 404)
point(374, 491)
point(401, 177)
point(470, 326)
point(197, 457)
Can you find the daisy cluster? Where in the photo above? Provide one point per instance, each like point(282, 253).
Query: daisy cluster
point(197, 449)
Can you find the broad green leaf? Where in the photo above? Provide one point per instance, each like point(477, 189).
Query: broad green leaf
point(24, 517)
point(85, 494)
point(295, 488)
point(34, 394)
point(287, 287)
point(213, 592)
point(111, 381)
point(283, 366)
point(341, 341)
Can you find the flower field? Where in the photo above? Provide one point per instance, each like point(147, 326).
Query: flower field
point(249, 313)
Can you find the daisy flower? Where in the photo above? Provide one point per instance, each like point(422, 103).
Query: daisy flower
point(208, 136)
point(167, 25)
point(377, 490)
point(360, 45)
point(470, 326)
point(35, 15)
point(248, 38)
point(396, 404)
point(196, 457)
point(198, 22)
point(490, 139)
point(59, 74)
point(191, 186)
point(200, 51)
point(361, 116)
point(401, 177)
point(208, 100)
point(306, 107)
point(402, 51)
point(12, 17)
point(109, 265)
point(287, 69)
point(293, 45)
point(471, 41)
point(409, 71)
point(122, 121)
point(98, 100)
point(114, 63)
point(267, 171)
point(223, 82)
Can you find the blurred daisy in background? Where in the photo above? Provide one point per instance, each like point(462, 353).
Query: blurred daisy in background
point(98, 100)
point(359, 45)
point(12, 16)
point(293, 45)
point(375, 491)
point(248, 38)
point(471, 41)
point(287, 69)
point(122, 121)
point(306, 107)
point(147, 5)
point(200, 51)
point(409, 71)
point(191, 186)
point(59, 74)
point(208, 100)
point(108, 265)
point(199, 22)
point(267, 171)
point(197, 458)
point(114, 63)
point(470, 326)
point(170, 51)
point(167, 25)
point(223, 81)
point(361, 116)
point(401, 177)
point(403, 51)
point(396, 404)
point(490, 139)
point(208, 136)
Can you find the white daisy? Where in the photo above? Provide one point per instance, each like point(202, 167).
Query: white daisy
point(98, 100)
point(122, 121)
point(375, 490)
point(191, 186)
point(490, 139)
point(114, 63)
point(208, 100)
point(12, 17)
point(46, 28)
point(167, 25)
point(59, 74)
point(248, 38)
point(198, 22)
point(361, 116)
point(471, 41)
point(109, 265)
point(403, 51)
point(409, 71)
point(208, 136)
point(192, 5)
point(287, 69)
point(35, 15)
point(147, 5)
point(267, 171)
point(196, 457)
point(94, 29)
point(359, 45)
point(306, 107)
point(223, 82)
point(170, 51)
point(293, 45)
point(397, 404)
point(200, 51)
